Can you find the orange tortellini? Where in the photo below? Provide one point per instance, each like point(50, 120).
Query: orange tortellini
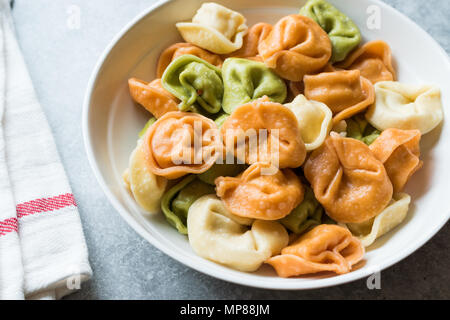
point(259, 194)
point(298, 87)
point(152, 96)
point(348, 180)
point(255, 35)
point(399, 151)
point(346, 93)
point(169, 145)
point(296, 46)
point(324, 248)
point(178, 49)
point(374, 60)
point(284, 140)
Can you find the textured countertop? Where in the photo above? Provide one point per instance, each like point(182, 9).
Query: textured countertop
point(61, 55)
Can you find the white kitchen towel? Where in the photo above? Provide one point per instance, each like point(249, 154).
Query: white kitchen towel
point(43, 253)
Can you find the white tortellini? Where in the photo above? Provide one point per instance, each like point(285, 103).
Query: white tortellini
point(239, 243)
point(388, 219)
point(314, 118)
point(147, 188)
point(215, 28)
point(406, 106)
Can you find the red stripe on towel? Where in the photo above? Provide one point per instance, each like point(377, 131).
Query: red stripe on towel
point(45, 204)
point(8, 225)
point(36, 206)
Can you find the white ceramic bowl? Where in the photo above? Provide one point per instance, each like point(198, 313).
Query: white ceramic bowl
point(111, 123)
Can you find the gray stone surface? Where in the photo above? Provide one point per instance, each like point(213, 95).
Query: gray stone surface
point(125, 266)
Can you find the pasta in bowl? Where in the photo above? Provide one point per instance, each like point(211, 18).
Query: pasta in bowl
point(356, 126)
point(354, 178)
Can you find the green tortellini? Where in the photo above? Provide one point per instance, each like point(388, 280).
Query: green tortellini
point(195, 82)
point(343, 32)
point(177, 200)
point(221, 170)
point(246, 80)
point(147, 125)
point(306, 216)
point(358, 128)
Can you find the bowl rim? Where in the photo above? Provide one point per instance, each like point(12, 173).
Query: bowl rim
point(283, 284)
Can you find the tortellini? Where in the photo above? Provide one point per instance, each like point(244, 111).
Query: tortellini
point(346, 93)
point(307, 215)
point(399, 151)
point(178, 49)
point(255, 35)
point(146, 187)
point(348, 180)
point(296, 46)
point(324, 248)
point(177, 200)
point(246, 80)
point(284, 142)
point(193, 80)
point(239, 243)
point(215, 28)
point(152, 96)
point(374, 60)
point(343, 32)
point(314, 118)
point(358, 128)
point(406, 106)
point(254, 194)
point(170, 147)
point(221, 170)
point(298, 87)
point(367, 232)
